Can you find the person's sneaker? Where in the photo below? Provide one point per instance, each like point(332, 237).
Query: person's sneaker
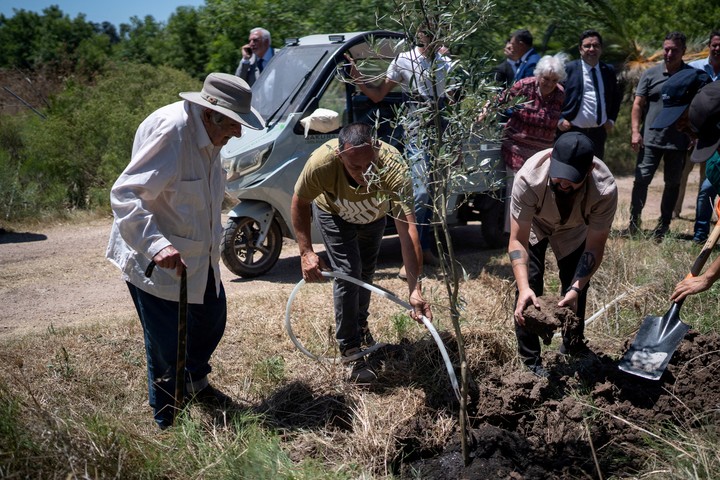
point(699, 240)
point(539, 371)
point(211, 397)
point(361, 372)
point(366, 338)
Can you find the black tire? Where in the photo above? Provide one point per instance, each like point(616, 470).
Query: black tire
point(239, 252)
point(492, 222)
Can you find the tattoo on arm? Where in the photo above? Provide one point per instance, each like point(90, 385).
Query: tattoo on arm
point(515, 255)
point(586, 266)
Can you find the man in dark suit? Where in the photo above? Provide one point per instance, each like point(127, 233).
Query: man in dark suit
point(522, 55)
point(592, 96)
point(255, 55)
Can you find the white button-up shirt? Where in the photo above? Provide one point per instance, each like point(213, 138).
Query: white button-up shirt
point(171, 193)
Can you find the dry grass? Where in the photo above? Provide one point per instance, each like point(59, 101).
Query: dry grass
point(77, 397)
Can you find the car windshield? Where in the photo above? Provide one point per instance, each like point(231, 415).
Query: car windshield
point(284, 75)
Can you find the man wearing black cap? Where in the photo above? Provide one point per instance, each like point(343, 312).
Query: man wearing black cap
point(566, 198)
point(704, 118)
point(677, 93)
point(667, 145)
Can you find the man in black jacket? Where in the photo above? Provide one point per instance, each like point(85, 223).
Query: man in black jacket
point(592, 96)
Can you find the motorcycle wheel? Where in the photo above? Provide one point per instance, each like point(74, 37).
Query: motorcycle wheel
point(240, 253)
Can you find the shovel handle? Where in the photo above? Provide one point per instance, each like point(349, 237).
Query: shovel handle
point(707, 248)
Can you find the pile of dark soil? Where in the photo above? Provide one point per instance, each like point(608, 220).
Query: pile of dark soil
point(525, 427)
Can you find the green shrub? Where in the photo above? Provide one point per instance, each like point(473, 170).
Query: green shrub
point(72, 158)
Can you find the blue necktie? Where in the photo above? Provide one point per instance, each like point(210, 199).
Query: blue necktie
point(260, 64)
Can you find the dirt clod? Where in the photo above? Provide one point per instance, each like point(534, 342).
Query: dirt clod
point(549, 318)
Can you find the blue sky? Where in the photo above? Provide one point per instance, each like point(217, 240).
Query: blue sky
point(113, 11)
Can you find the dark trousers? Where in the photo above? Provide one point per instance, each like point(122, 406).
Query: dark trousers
point(353, 250)
point(647, 163)
point(598, 135)
point(159, 319)
point(528, 342)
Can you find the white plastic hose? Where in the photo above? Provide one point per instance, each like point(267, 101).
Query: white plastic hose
point(383, 293)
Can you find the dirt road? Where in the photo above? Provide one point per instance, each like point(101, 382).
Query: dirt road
point(58, 275)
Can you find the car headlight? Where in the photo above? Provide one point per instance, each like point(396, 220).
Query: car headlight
point(246, 162)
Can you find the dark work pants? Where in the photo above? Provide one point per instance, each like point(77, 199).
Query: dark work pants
point(353, 250)
point(647, 163)
point(529, 343)
point(205, 328)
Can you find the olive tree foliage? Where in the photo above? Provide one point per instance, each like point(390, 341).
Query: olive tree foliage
point(445, 130)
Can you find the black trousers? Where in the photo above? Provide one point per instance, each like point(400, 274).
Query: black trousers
point(528, 342)
point(598, 135)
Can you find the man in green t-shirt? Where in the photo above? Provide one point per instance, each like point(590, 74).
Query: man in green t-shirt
point(348, 186)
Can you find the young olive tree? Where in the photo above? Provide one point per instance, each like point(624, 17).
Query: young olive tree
point(445, 94)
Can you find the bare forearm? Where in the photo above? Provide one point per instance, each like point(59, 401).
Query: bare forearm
point(519, 262)
point(300, 217)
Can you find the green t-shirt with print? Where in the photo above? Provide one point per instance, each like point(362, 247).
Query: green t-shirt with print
point(324, 180)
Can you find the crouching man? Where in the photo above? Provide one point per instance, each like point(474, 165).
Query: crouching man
point(566, 198)
point(348, 186)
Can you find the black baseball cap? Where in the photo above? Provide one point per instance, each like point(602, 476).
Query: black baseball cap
point(572, 157)
point(704, 115)
point(677, 93)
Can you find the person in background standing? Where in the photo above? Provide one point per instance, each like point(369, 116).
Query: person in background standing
point(711, 66)
point(524, 57)
point(532, 124)
point(652, 146)
point(255, 55)
point(422, 72)
point(592, 96)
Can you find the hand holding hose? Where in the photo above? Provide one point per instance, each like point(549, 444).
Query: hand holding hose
point(420, 307)
point(312, 266)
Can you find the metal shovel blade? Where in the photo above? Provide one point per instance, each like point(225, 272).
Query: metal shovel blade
point(654, 345)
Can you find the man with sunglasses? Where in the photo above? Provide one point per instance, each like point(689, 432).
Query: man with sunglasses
point(347, 187)
point(566, 198)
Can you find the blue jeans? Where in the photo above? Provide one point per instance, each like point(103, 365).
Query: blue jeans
point(704, 210)
point(159, 319)
point(528, 342)
point(421, 196)
point(353, 250)
point(647, 163)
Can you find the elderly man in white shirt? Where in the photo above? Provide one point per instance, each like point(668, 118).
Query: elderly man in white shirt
point(166, 205)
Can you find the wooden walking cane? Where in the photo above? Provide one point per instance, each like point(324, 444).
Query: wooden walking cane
point(182, 337)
